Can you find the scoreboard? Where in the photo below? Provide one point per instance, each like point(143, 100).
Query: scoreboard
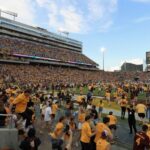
point(147, 57)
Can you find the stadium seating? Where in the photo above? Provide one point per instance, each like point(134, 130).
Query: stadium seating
point(17, 46)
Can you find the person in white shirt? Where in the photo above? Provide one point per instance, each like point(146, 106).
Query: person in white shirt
point(47, 115)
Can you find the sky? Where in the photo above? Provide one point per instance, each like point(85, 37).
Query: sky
point(121, 27)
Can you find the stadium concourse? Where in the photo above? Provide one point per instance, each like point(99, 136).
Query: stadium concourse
point(40, 73)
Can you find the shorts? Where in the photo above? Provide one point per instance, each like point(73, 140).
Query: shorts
point(113, 126)
point(141, 115)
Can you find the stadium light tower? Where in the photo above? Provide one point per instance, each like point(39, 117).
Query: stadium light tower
point(103, 49)
point(9, 13)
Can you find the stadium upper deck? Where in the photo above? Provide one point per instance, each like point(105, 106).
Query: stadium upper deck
point(30, 43)
point(38, 34)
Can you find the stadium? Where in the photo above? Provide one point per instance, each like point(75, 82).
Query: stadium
point(49, 54)
point(48, 84)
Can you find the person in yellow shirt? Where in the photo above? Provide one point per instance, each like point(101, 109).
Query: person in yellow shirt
point(86, 134)
point(123, 104)
point(81, 118)
point(102, 143)
point(141, 110)
point(58, 131)
point(21, 101)
point(54, 109)
point(112, 123)
point(100, 127)
point(80, 99)
point(58, 134)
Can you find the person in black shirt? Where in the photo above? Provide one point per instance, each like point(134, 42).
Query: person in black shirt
point(2, 111)
point(131, 119)
point(31, 142)
point(95, 114)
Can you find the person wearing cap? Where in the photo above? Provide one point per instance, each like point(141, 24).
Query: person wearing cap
point(86, 134)
point(102, 143)
point(141, 140)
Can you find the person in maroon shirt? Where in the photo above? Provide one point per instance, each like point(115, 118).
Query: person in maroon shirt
point(141, 140)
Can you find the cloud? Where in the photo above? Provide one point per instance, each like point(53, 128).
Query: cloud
point(72, 15)
point(24, 8)
point(80, 16)
point(142, 1)
point(115, 68)
point(135, 61)
point(101, 11)
point(142, 19)
point(42, 3)
point(66, 18)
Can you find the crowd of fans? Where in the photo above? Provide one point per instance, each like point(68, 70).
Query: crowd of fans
point(39, 74)
point(24, 47)
point(23, 74)
point(25, 94)
point(33, 109)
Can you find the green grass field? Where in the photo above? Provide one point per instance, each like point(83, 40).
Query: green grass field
point(113, 105)
point(141, 96)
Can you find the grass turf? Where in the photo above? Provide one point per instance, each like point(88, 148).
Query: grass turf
point(113, 105)
point(96, 92)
